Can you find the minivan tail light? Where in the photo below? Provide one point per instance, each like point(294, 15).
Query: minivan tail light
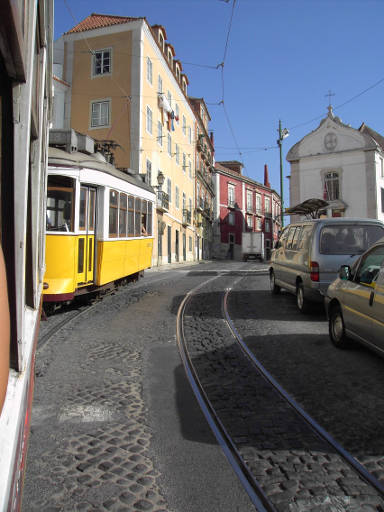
point(314, 268)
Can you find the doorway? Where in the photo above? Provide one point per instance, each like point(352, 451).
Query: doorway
point(169, 244)
point(86, 239)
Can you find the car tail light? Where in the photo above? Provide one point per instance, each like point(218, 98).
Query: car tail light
point(314, 267)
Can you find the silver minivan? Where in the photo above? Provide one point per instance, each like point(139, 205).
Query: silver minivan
point(308, 254)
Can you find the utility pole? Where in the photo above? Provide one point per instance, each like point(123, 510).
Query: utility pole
point(283, 133)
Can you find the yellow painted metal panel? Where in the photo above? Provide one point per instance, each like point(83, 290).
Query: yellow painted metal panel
point(120, 258)
point(61, 258)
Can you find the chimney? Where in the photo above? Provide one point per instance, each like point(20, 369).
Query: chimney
point(266, 177)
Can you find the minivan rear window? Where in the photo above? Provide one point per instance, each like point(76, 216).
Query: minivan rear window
point(351, 239)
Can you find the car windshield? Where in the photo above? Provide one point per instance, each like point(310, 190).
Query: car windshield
point(350, 239)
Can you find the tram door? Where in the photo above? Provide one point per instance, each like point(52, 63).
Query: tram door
point(86, 239)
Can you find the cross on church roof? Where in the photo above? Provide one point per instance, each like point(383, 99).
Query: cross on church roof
point(330, 94)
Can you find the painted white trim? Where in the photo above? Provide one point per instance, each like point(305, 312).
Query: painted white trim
point(93, 75)
point(102, 179)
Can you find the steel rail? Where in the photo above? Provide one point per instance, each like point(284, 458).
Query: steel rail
point(320, 431)
point(258, 497)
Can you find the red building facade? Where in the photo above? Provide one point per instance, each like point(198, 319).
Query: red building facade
point(243, 205)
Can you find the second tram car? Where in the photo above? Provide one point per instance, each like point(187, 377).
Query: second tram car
point(99, 224)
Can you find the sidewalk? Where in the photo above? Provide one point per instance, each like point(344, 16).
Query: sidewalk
point(178, 264)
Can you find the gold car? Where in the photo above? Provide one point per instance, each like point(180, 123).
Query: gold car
point(355, 301)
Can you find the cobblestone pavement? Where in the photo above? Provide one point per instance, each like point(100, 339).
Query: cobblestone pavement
point(115, 426)
point(98, 458)
point(297, 470)
point(342, 390)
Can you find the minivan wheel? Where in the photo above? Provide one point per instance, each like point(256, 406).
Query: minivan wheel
point(337, 328)
point(301, 301)
point(275, 289)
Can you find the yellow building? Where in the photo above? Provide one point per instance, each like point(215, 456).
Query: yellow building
point(126, 86)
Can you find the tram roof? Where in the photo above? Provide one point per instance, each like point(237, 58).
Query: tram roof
point(59, 157)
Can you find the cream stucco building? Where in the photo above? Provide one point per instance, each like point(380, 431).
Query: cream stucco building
point(341, 165)
point(118, 80)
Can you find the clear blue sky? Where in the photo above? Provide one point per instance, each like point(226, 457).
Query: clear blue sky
point(281, 59)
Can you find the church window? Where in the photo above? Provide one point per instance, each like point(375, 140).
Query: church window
point(331, 186)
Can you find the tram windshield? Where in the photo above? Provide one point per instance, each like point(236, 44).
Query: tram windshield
point(60, 203)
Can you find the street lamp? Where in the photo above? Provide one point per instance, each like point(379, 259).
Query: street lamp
point(160, 180)
point(283, 133)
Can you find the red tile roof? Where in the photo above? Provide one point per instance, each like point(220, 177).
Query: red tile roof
point(100, 20)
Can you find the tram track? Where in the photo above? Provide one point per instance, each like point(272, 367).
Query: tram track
point(284, 459)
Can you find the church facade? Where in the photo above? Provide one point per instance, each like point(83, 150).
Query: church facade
point(342, 165)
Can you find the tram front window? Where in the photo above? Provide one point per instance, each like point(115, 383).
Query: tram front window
point(60, 204)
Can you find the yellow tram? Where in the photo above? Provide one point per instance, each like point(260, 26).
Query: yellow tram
point(99, 225)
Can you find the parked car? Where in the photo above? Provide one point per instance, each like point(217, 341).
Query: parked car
point(355, 301)
point(308, 255)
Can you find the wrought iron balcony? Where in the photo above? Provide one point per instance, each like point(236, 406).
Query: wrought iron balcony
point(162, 201)
point(208, 213)
point(187, 217)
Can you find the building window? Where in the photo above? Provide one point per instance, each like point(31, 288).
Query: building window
point(184, 162)
point(382, 200)
point(249, 201)
point(177, 114)
point(190, 204)
point(177, 197)
point(177, 153)
point(250, 222)
point(382, 167)
point(231, 196)
point(184, 201)
point(159, 84)
point(267, 226)
point(101, 62)
point(331, 186)
point(267, 204)
point(258, 224)
point(149, 172)
point(159, 133)
point(185, 127)
point(189, 134)
point(169, 189)
point(149, 120)
point(149, 70)
point(231, 218)
point(161, 40)
point(190, 243)
point(190, 169)
point(258, 203)
point(169, 145)
point(100, 112)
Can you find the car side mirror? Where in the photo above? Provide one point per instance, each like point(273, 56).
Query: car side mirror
point(345, 273)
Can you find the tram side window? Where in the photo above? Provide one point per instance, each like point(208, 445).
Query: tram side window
point(137, 216)
point(60, 203)
point(113, 212)
point(149, 219)
point(123, 215)
point(131, 216)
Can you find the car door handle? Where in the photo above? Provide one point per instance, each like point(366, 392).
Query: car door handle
point(371, 298)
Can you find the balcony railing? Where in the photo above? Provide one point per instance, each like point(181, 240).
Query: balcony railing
point(162, 200)
point(187, 217)
point(208, 213)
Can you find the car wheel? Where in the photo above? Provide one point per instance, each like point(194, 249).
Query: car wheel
point(275, 289)
point(301, 301)
point(337, 328)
